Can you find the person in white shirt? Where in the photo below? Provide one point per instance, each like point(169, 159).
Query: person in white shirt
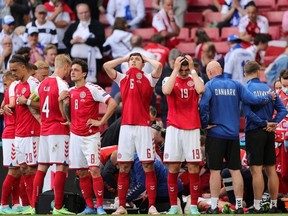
point(252, 23)
point(132, 10)
point(235, 60)
point(47, 29)
point(8, 26)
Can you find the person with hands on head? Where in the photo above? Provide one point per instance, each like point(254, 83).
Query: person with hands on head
point(260, 138)
point(136, 89)
point(84, 149)
point(220, 115)
point(182, 141)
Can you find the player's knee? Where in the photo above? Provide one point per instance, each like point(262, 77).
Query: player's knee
point(82, 173)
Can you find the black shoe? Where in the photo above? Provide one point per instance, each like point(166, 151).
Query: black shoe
point(255, 211)
point(239, 211)
point(212, 211)
point(274, 210)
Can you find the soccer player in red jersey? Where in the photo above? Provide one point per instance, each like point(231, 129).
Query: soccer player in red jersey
point(182, 141)
point(27, 128)
point(10, 185)
point(54, 135)
point(136, 89)
point(85, 134)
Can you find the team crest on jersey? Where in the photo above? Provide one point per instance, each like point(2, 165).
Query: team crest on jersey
point(23, 91)
point(82, 94)
point(190, 83)
point(139, 75)
point(166, 156)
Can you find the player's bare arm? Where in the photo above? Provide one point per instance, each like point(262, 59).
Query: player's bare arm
point(169, 85)
point(199, 84)
point(157, 66)
point(111, 106)
point(28, 102)
point(110, 65)
point(64, 105)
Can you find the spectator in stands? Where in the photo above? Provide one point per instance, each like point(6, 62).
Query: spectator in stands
point(209, 54)
point(252, 23)
point(260, 44)
point(156, 46)
point(133, 11)
point(5, 55)
point(8, 26)
point(42, 70)
point(50, 52)
point(61, 15)
point(285, 26)
point(47, 29)
point(137, 47)
point(84, 39)
point(167, 70)
point(232, 11)
point(167, 24)
point(36, 49)
point(16, 8)
point(96, 6)
point(277, 85)
point(200, 38)
point(118, 44)
point(272, 72)
point(235, 60)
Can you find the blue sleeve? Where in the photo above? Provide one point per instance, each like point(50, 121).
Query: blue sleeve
point(204, 106)
point(137, 181)
point(227, 75)
point(281, 110)
point(252, 116)
point(249, 98)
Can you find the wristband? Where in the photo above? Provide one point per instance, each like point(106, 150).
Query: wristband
point(28, 102)
point(193, 71)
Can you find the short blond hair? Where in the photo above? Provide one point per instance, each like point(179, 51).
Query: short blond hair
point(41, 65)
point(61, 60)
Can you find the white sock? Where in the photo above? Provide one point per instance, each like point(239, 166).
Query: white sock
point(214, 202)
point(239, 203)
point(257, 204)
point(273, 203)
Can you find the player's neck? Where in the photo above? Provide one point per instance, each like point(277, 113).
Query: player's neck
point(80, 83)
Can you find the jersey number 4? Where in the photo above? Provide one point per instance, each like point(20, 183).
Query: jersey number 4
point(45, 108)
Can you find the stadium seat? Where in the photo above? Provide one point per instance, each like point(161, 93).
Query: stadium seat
point(221, 47)
point(193, 19)
point(227, 31)
point(212, 17)
point(199, 5)
point(274, 31)
point(184, 35)
point(282, 5)
point(272, 52)
point(213, 33)
point(265, 5)
point(145, 33)
point(187, 48)
point(274, 17)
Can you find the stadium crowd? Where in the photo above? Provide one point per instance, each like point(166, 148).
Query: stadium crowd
point(161, 105)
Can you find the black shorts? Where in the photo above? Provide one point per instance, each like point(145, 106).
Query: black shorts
point(260, 147)
point(217, 150)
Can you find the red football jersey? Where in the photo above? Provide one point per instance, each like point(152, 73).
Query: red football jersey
point(9, 120)
point(84, 103)
point(136, 89)
point(159, 51)
point(51, 117)
point(26, 124)
point(183, 110)
point(283, 125)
